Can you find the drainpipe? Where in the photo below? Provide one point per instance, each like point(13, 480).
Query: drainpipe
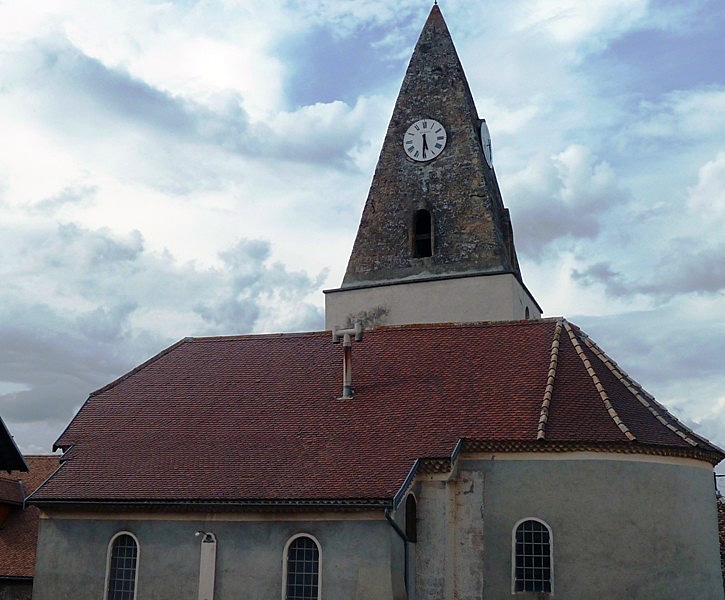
point(403, 537)
point(207, 565)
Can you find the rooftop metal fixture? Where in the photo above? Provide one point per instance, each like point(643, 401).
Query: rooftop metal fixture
point(347, 336)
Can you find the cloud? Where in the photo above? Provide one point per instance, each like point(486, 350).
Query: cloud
point(687, 254)
point(562, 197)
point(683, 115)
point(250, 289)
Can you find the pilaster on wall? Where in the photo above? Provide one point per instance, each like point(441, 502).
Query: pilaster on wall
point(469, 531)
point(449, 553)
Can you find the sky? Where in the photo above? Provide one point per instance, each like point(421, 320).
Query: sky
point(173, 169)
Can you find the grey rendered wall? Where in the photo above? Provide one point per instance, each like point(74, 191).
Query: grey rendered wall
point(361, 560)
point(622, 529)
point(464, 300)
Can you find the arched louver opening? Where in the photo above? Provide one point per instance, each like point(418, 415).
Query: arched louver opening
point(422, 234)
point(411, 519)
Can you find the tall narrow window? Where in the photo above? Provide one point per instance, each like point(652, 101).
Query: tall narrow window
point(302, 569)
point(532, 557)
point(122, 568)
point(422, 234)
point(411, 519)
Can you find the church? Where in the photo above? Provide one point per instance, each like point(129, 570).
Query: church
point(439, 440)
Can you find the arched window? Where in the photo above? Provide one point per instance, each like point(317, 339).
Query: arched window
point(528, 314)
point(411, 526)
point(532, 558)
point(122, 567)
point(422, 234)
point(302, 569)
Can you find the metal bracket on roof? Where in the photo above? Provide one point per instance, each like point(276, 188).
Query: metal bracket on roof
point(346, 335)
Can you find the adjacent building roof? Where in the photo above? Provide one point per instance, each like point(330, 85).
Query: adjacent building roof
point(721, 528)
point(10, 456)
point(257, 419)
point(19, 530)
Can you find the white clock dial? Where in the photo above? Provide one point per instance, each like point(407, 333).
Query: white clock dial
point(486, 143)
point(424, 140)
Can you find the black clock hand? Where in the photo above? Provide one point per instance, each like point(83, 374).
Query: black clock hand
point(425, 145)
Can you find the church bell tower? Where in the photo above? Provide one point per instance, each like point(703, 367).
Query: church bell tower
point(435, 243)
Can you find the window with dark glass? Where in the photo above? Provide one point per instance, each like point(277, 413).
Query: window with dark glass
point(303, 569)
point(411, 527)
point(122, 568)
point(422, 234)
point(532, 551)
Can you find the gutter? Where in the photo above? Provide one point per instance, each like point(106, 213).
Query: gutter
point(275, 504)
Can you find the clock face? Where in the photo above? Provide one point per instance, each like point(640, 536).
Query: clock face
point(424, 140)
point(486, 143)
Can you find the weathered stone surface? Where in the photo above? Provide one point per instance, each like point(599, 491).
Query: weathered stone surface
point(471, 228)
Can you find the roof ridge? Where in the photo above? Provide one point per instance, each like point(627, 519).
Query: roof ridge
point(638, 392)
point(598, 384)
point(243, 336)
point(468, 324)
point(548, 392)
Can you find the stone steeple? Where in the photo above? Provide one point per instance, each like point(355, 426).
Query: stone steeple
point(432, 220)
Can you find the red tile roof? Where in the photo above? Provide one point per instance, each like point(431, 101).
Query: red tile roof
point(257, 418)
point(19, 532)
point(11, 492)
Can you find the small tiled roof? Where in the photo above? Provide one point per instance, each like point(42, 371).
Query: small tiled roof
point(11, 492)
point(19, 532)
point(257, 418)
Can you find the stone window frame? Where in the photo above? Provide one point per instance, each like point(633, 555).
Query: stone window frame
point(285, 553)
point(109, 553)
point(514, 529)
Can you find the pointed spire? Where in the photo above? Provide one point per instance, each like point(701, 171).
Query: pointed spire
point(435, 243)
point(456, 193)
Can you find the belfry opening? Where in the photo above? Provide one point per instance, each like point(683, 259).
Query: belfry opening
point(422, 234)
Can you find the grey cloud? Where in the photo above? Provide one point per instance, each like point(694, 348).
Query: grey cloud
point(106, 325)
point(249, 282)
point(538, 227)
point(685, 269)
point(563, 198)
point(115, 90)
point(603, 274)
point(81, 98)
point(75, 195)
point(60, 358)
